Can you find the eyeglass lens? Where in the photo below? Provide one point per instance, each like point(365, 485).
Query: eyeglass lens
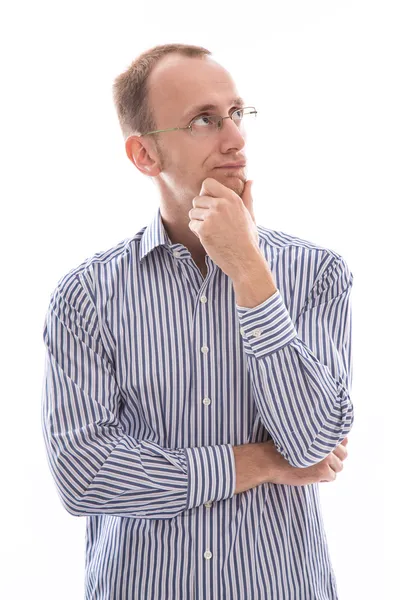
point(204, 124)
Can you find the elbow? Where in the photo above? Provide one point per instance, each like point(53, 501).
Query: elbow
point(73, 511)
point(70, 504)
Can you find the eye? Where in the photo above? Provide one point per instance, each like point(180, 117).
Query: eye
point(203, 121)
point(237, 113)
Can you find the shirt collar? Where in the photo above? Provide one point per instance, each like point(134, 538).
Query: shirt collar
point(154, 235)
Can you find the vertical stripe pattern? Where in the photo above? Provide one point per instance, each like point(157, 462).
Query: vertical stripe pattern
point(153, 373)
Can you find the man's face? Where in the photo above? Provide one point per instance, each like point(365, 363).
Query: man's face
point(175, 86)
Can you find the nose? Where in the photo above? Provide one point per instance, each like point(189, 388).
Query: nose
point(230, 136)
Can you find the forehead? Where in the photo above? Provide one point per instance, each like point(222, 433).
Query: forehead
point(179, 82)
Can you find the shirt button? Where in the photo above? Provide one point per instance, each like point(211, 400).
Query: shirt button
point(257, 332)
point(208, 504)
point(204, 349)
point(206, 401)
point(241, 331)
point(176, 253)
point(207, 554)
point(203, 299)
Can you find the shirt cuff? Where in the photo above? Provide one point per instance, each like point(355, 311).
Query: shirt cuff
point(211, 474)
point(267, 327)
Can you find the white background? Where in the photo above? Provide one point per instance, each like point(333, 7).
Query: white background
point(325, 162)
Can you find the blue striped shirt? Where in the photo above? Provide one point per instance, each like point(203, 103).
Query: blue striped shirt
point(153, 373)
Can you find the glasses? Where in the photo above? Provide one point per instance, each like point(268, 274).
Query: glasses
point(203, 125)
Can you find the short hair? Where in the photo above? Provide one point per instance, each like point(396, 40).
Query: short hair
point(130, 93)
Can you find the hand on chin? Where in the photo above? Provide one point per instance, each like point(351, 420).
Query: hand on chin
point(235, 183)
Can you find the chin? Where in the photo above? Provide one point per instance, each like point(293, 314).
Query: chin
point(231, 181)
point(234, 183)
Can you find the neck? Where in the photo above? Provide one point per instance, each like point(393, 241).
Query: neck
point(176, 222)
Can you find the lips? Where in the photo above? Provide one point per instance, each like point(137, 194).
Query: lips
point(231, 166)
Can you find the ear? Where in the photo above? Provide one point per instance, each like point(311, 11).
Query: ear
point(141, 156)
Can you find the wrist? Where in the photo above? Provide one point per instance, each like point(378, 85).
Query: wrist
point(267, 466)
point(254, 285)
point(250, 267)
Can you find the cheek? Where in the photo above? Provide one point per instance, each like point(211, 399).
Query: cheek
point(191, 160)
point(192, 164)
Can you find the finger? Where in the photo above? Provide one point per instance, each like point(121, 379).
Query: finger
point(247, 198)
point(331, 476)
point(203, 201)
point(332, 473)
point(340, 451)
point(335, 463)
point(193, 227)
point(212, 187)
point(198, 213)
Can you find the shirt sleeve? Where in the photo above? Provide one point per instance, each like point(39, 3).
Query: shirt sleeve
point(96, 466)
point(302, 371)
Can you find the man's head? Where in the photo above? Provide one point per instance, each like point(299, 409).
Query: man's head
point(159, 91)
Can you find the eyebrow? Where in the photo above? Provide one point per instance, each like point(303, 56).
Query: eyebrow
point(238, 101)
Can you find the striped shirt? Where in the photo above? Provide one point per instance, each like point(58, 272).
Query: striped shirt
point(153, 373)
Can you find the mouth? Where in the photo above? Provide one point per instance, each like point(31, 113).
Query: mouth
point(230, 168)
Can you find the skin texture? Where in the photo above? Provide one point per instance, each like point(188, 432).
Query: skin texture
point(179, 162)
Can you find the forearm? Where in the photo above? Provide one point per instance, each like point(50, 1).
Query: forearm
point(253, 283)
point(300, 378)
point(252, 466)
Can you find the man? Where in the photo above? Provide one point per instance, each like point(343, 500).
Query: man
point(198, 374)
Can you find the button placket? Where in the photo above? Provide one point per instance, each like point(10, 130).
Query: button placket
point(206, 402)
point(204, 348)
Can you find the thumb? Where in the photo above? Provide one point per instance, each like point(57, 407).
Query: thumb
point(247, 198)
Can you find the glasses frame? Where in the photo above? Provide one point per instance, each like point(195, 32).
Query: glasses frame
point(219, 123)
